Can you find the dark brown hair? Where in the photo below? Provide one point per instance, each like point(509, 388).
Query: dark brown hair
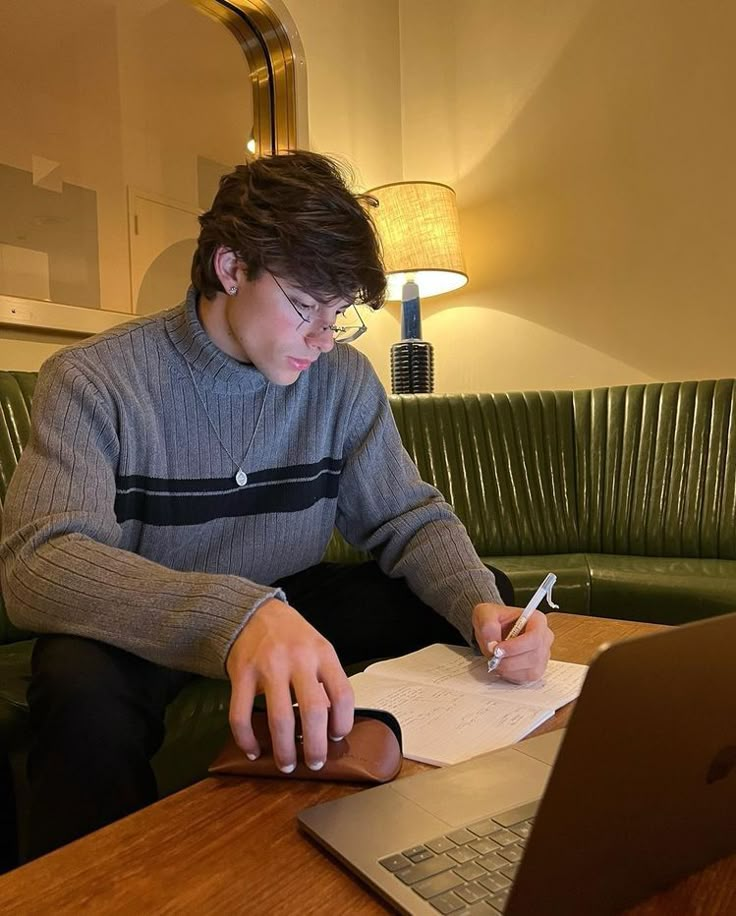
point(293, 215)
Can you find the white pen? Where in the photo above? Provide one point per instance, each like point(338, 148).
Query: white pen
point(544, 590)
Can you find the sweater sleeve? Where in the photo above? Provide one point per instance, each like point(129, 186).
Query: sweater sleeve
point(386, 508)
point(61, 567)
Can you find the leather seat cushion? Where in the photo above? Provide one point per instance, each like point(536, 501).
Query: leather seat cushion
point(661, 589)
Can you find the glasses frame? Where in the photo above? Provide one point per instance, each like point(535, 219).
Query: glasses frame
point(352, 332)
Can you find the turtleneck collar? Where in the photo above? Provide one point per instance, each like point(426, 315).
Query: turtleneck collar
point(212, 367)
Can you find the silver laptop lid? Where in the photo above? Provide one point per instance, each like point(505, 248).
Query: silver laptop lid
point(644, 787)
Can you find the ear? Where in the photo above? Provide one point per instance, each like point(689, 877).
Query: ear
point(227, 267)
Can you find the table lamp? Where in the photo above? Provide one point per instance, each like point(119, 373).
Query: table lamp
point(417, 222)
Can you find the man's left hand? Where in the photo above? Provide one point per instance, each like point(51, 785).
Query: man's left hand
point(525, 657)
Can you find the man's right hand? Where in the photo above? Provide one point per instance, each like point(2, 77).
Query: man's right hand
point(278, 650)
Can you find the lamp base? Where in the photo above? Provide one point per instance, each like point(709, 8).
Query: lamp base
point(412, 367)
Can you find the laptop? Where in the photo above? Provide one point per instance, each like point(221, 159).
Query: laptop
point(638, 791)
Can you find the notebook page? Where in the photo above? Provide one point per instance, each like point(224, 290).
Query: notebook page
point(460, 668)
point(442, 727)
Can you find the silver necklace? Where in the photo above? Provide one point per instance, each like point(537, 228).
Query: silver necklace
point(241, 478)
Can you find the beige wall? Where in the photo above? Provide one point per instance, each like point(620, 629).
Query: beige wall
point(592, 147)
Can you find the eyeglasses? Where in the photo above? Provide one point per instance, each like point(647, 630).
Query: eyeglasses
point(342, 333)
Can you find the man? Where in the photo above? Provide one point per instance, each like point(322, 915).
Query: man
point(183, 478)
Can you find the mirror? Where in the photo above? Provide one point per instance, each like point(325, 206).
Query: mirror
point(121, 116)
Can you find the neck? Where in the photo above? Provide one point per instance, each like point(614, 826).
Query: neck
point(213, 315)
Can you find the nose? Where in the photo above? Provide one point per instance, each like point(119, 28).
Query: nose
point(322, 338)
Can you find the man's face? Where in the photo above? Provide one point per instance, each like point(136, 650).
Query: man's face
point(263, 327)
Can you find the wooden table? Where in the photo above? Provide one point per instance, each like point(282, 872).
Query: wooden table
point(232, 846)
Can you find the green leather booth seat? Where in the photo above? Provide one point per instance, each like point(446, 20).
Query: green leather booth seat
point(627, 493)
point(653, 589)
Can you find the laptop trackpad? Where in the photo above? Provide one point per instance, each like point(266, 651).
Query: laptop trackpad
point(484, 785)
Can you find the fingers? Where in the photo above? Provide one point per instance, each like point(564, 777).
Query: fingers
point(524, 658)
point(342, 700)
point(326, 704)
point(241, 713)
point(276, 652)
point(281, 726)
point(313, 715)
point(490, 621)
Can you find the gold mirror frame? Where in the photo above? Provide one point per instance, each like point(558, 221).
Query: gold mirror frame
point(269, 51)
point(267, 48)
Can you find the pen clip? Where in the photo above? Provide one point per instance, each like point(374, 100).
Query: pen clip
point(546, 588)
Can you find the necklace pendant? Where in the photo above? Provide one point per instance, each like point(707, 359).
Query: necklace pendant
point(241, 478)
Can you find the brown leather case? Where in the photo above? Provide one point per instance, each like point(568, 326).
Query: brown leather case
point(370, 753)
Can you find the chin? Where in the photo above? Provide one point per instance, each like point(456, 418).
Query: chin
point(281, 377)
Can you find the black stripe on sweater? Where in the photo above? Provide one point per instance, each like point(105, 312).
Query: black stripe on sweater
point(157, 501)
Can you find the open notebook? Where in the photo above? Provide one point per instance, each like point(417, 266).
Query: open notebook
point(450, 708)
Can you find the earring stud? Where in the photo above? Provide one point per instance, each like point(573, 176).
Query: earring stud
point(233, 290)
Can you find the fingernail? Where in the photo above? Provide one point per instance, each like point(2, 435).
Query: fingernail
point(316, 765)
point(252, 756)
point(336, 737)
point(491, 646)
point(288, 768)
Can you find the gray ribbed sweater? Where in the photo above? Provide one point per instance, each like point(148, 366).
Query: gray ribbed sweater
point(123, 522)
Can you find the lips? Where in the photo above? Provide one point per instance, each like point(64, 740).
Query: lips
point(299, 364)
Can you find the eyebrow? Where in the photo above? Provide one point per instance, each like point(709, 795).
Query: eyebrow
point(297, 297)
point(314, 304)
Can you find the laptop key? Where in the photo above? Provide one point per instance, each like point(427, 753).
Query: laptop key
point(517, 815)
point(441, 844)
point(523, 830)
point(460, 836)
point(484, 827)
point(463, 854)
point(512, 853)
point(492, 861)
point(472, 892)
point(394, 863)
point(484, 846)
point(498, 901)
point(421, 856)
point(449, 903)
point(432, 866)
point(495, 882)
point(437, 884)
point(510, 871)
point(503, 837)
point(415, 850)
point(470, 871)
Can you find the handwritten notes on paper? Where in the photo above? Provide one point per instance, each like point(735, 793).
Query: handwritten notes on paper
point(451, 709)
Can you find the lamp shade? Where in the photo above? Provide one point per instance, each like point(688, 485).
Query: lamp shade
point(418, 225)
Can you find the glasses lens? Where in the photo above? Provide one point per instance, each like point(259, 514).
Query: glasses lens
point(350, 325)
point(347, 335)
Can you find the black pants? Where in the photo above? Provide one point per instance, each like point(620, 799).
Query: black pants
point(97, 712)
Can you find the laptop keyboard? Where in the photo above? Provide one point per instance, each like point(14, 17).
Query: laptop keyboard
point(468, 870)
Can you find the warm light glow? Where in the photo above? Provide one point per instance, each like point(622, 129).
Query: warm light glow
point(251, 146)
point(420, 234)
point(430, 282)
